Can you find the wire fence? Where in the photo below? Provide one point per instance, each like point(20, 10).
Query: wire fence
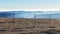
point(15, 28)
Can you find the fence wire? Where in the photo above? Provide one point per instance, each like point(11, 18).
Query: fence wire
point(14, 25)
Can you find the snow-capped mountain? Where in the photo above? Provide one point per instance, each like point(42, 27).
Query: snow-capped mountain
point(30, 14)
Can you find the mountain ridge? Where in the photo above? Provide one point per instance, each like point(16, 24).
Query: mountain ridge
point(30, 14)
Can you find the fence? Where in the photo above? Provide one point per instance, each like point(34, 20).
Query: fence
point(14, 25)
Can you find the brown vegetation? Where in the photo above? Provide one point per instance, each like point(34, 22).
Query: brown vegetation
point(29, 26)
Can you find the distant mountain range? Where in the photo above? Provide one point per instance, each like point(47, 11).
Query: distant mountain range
point(30, 14)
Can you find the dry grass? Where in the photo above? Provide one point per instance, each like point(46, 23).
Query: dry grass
point(27, 26)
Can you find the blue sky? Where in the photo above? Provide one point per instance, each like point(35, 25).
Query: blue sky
point(29, 4)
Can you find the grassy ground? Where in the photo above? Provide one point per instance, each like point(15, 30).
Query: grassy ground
point(29, 26)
